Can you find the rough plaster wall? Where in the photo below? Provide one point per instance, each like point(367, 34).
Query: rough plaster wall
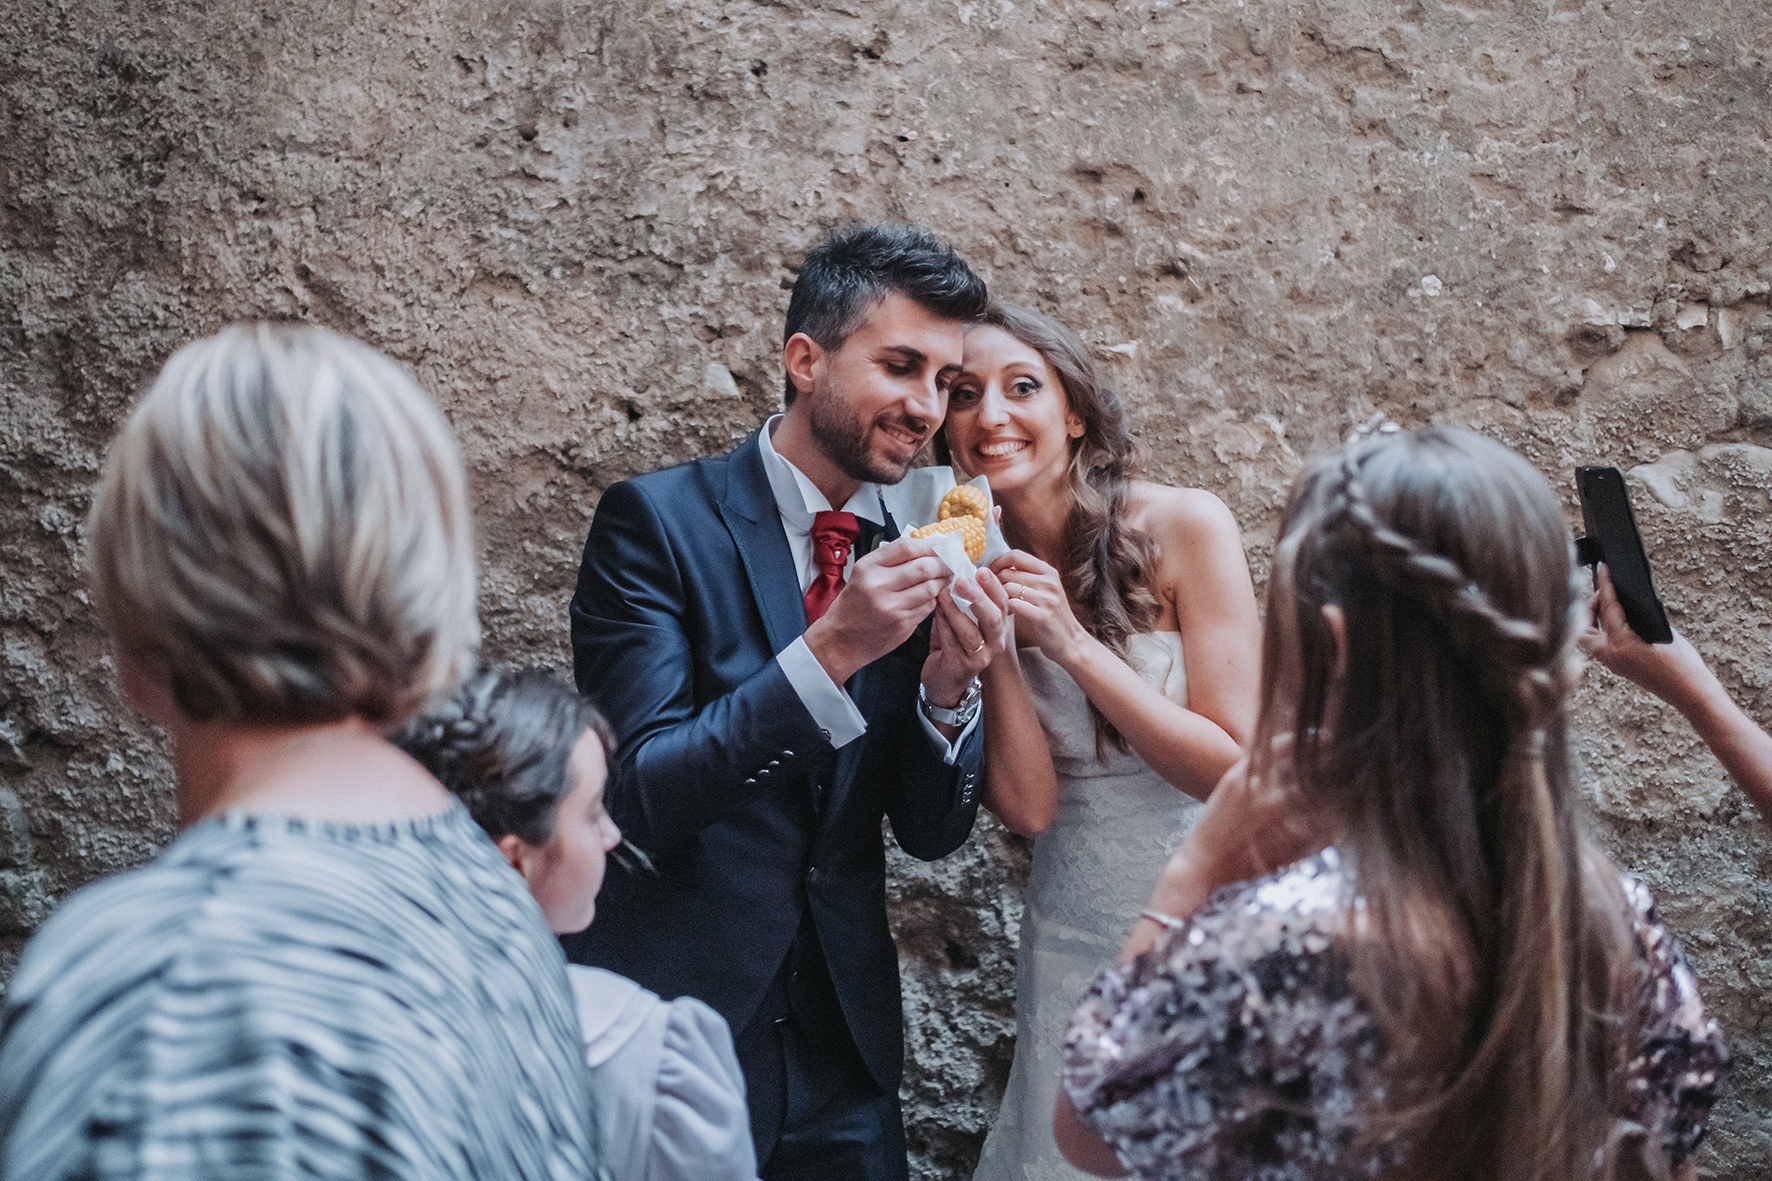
point(578, 221)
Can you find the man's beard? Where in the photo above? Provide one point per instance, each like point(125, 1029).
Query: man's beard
point(842, 437)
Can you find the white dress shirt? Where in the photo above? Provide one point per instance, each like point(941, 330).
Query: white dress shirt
point(798, 500)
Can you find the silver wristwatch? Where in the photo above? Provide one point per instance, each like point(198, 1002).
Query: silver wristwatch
point(962, 713)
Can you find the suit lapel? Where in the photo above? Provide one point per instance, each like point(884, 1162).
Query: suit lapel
point(889, 530)
point(748, 508)
point(861, 691)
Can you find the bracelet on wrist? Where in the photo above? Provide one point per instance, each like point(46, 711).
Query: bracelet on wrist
point(1167, 921)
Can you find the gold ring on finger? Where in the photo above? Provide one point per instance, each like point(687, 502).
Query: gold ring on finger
point(978, 649)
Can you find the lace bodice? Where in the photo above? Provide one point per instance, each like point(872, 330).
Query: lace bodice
point(1116, 823)
point(1064, 711)
point(1117, 820)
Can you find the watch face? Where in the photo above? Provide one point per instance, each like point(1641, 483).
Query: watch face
point(963, 711)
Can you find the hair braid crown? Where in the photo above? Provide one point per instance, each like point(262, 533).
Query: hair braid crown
point(1532, 677)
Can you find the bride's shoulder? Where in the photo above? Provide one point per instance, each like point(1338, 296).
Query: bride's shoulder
point(1180, 519)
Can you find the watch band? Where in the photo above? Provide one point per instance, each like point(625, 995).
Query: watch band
point(963, 712)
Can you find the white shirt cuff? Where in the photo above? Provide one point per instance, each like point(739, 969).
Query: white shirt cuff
point(823, 698)
point(947, 749)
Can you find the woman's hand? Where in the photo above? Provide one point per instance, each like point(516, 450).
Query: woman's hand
point(1042, 611)
point(1673, 672)
point(1253, 824)
point(1677, 674)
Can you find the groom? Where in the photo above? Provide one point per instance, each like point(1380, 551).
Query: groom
point(773, 694)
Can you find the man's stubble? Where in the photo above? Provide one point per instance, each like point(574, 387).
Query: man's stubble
point(842, 436)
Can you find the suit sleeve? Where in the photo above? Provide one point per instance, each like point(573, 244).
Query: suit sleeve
point(678, 769)
point(935, 802)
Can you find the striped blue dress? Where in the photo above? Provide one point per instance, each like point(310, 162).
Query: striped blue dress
point(276, 998)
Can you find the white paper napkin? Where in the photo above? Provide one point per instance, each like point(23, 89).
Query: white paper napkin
point(916, 501)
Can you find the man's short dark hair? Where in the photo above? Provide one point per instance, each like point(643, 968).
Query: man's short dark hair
point(844, 276)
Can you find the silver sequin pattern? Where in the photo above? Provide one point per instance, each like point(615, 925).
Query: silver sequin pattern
point(1237, 1047)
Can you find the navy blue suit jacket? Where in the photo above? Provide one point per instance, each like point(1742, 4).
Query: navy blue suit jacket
point(687, 591)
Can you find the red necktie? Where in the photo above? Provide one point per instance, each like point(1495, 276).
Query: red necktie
point(833, 536)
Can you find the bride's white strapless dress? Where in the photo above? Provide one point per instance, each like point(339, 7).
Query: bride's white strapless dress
point(1093, 871)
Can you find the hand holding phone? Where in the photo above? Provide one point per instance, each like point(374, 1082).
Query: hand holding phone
point(1612, 538)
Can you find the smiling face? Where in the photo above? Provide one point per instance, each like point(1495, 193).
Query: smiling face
point(1008, 417)
point(565, 872)
point(872, 403)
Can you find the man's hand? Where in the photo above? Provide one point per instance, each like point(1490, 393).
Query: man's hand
point(889, 592)
point(959, 648)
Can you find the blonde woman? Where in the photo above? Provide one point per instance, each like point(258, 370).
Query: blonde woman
point(332, 972)
point(1453, 982)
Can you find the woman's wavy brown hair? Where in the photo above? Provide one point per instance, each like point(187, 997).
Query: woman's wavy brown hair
point(1493, 942)
point(1107, 562)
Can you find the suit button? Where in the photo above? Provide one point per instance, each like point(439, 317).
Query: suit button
point(812, 874)
point(787, 754)
point(774, 763)
point(750, 783)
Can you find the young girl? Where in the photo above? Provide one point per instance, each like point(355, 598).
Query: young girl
point(528, 757)
point(1456, 982)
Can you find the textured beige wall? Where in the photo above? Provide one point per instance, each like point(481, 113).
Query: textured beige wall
point(577, 221)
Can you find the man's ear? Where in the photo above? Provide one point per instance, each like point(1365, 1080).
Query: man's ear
point(512, 846)
point(1337, 621)
point(800, 357)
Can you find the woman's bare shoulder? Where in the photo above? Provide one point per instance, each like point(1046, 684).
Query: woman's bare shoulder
point(1179, 516)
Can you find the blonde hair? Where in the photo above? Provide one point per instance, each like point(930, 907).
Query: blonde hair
point(281, 532)
point(1495, 947)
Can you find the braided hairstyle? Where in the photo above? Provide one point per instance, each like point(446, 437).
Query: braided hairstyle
point(503, 743)
point(1107, 562)
point(1493, 941)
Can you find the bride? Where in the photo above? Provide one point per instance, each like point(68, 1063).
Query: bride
point(1137, 675)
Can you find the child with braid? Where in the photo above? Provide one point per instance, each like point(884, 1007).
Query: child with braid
point(529, 757)
point(1447, 978)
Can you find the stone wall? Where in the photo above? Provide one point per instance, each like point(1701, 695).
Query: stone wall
point(577, 220)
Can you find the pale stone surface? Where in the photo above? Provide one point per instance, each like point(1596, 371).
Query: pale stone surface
point(577, 220)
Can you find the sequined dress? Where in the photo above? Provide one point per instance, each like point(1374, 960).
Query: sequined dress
point(1116, 824)
point(1237, 1048)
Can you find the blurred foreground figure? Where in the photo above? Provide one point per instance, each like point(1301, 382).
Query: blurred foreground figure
point(332, 973)
point(1453, 982)
point(530, 758)
point(1677, 674)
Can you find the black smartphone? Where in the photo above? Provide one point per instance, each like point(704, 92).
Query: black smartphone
point(1612, 538)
